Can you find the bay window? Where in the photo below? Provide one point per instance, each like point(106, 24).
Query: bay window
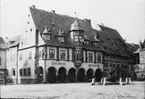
point(52, 53)
point(63, 54)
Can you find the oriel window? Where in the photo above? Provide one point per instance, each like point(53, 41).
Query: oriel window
point(90, 57)
point(62, 54)
point(99, 58)
point(52, 53)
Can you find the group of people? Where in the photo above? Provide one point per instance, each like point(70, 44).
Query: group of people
point(104, 81)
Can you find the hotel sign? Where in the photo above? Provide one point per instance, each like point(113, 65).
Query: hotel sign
point(94, 65)
point(58, 63)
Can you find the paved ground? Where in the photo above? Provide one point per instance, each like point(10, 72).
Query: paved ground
point(74, 91)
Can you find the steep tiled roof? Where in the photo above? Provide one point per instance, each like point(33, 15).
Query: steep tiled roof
point(109, 38)
point(3, 44)
point(113, 42)
point(56, 22)
point(14, 41)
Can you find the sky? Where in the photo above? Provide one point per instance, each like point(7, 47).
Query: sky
point(126, 16)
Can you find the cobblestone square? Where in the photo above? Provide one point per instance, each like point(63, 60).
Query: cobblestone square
point(74, 91)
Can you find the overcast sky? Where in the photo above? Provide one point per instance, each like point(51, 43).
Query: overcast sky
point(127, 16)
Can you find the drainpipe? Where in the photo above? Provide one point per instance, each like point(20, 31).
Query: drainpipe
point(17, 67)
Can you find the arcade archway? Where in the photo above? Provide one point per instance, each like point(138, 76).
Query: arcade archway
point(98, 74)
point(51, 75)
point(81, 75)
point(62, 74)
point(39, 73)
point(89, 74)
point(71, 75)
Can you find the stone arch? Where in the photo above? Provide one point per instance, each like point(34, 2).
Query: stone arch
point(51, 75)
point(39, 73)
point(62, 74)
point(90, 73)
point(71, 75)
point(98, 74)
point(81, 75)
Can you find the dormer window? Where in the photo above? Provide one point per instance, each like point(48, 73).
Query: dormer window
point(61, 39)
point(46, 34)
point(78, 38)
point(86, 41)
point(61, 36)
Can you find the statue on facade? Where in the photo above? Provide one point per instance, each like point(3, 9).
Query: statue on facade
point(44, 53)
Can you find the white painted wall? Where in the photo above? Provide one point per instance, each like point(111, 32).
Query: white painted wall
point(3, 58)
point(31, 62)
point(12, 62)
point(28, 34)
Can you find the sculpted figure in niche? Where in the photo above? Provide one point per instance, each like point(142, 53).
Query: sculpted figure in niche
point(44, 53)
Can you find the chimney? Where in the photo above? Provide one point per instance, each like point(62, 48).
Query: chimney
point(6, 38)
point(53, 11)
point(87, 20)
point(33, 6)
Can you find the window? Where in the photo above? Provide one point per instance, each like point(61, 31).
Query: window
point(46, 37)
point(76, 39)
point(40, 54)
point(52, 53)
point(25, 72)
point(30, 55)
point(61, 39)
point(22, 42)
point(63, 54)
point(28, 72)
point(20, 72)
point(0, 61)
point(13, 72)
point(90, 57)
point(99, 58)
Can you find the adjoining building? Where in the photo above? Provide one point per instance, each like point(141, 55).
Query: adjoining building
point(139, 67)
point(60, 48)
point(12, 58)
point(3, 60)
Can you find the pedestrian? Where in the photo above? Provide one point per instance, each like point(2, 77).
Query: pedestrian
point(93, 81)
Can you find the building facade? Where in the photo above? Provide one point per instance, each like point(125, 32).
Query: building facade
point(12, 58)
point(139, 68)
point(51, 52)
point(60, 48)
point(3, 60)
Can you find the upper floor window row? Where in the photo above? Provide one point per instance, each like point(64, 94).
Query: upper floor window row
point(51, 53)
point(91, 57)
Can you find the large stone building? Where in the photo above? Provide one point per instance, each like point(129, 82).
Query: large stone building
point(60, 48)
point(139, 67)
point(3, 60)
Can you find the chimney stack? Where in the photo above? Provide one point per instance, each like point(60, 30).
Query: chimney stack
point(53, 11)
point(33, 6)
